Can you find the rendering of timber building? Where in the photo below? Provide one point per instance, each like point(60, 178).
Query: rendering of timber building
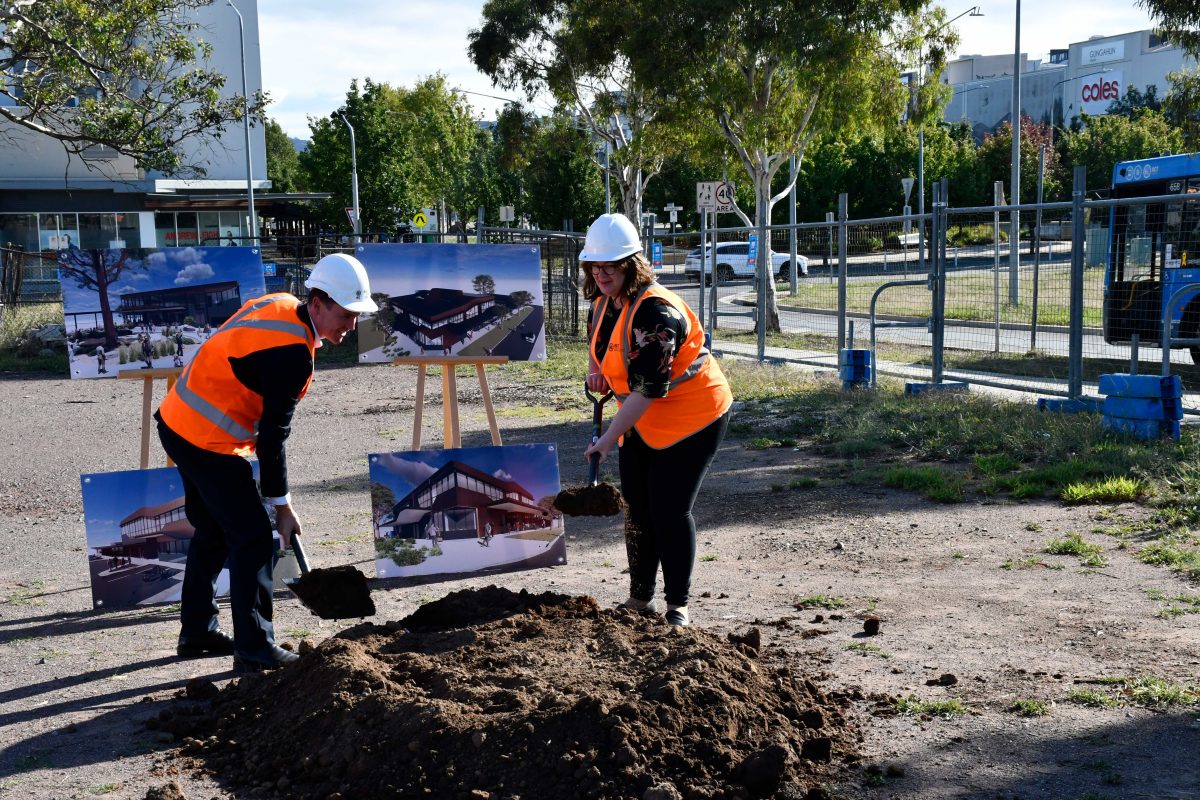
point(206, 304)
point(441, 318)
point(459, 501)
point(152, 532)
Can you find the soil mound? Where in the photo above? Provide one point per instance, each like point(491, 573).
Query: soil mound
point(496, 694)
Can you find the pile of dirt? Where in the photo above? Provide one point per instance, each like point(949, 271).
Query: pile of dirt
point(335, 593)
point(494, 694)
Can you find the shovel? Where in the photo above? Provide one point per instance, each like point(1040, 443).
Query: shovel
point(332, 593)
point(595, 499)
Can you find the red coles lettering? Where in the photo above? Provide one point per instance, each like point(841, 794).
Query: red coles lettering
point(1101, 90)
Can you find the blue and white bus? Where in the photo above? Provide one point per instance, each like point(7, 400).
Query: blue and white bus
point(1154, 250)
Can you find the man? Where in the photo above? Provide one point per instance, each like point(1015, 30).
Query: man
point(236, 398)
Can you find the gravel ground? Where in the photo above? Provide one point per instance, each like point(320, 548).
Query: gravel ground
point(77, 686)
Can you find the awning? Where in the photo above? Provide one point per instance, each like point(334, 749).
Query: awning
point(407, 517)
point(518, 508)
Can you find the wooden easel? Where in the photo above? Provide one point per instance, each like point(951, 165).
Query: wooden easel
point(147, 377)
point(448, 364)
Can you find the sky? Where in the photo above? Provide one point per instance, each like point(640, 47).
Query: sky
point(533, 466)
point(312, 49)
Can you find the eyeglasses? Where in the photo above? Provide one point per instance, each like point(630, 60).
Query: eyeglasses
point(607, 267)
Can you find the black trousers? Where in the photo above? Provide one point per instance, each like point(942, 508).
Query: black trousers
point(660, 488)
point(222, 503)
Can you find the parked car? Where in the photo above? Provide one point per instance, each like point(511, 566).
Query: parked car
point(733, 261)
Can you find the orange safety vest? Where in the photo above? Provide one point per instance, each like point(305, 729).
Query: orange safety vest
point(698, 392)
point(208, 406)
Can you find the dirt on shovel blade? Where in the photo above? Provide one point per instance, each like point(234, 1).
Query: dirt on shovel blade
point(335, 593)
point(601, 500)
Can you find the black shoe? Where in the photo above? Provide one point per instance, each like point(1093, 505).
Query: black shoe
point(273, 657)
point(212, 643)
point(678, 617)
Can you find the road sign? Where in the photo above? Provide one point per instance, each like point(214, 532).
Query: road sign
point(420, 220)
point(507, 213)
point(752, 253)
point(715, 196)
point(656, 254)
point(350, 216)
point(269, 269)
point(906, 184)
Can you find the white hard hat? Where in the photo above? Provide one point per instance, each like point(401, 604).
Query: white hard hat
point(610, 238)
point(344, 279)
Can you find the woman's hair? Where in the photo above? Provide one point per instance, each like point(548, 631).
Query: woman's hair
point(637, 270)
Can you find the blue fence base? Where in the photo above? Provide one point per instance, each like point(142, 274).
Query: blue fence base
point(1065, 405)
point(944, 386)
point(1142, 406)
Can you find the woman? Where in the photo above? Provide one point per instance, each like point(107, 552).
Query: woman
point(648, 347)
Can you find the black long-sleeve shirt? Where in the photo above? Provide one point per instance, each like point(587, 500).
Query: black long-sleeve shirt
point(278, 374)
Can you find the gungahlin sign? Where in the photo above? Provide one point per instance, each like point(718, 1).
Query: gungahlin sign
point(1100, 52)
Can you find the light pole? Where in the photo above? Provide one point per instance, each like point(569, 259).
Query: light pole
point(974, 11)
point(1014, 233)
point(357, 226)
point(246, 126)
point(1063, 105)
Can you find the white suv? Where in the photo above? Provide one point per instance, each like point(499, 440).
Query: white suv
point(733, 261)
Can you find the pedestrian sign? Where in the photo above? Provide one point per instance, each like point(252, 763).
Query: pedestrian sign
point(420, 220)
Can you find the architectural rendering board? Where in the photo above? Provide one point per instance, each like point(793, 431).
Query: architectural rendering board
point(466, 511)
point(137, 537)
point(453, 300)
point(134, 309)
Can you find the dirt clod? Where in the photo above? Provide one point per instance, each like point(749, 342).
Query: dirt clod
point(871, 625)
point(169, 791)
point(498, 692)
point(601, 500)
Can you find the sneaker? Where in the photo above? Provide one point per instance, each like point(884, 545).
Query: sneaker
point(211, 643)
point(640, 606)
point(678, 617)
point(272, 658)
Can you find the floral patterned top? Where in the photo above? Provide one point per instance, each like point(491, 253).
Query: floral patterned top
point(658, 330)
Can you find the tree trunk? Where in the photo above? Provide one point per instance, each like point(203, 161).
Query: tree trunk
point(762, 213)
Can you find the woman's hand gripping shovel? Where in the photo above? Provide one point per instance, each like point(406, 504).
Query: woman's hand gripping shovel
point(333, 592)
point(595, 499)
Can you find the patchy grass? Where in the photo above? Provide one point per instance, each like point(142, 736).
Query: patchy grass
point(1177, 605)
point(868, 650)
point(1147, 691)
point(1072, 545)
point(710, 557)
point(916, 707)
point(1114, 489)
point(820, 601)
point(1029, 708)
point(937, 483)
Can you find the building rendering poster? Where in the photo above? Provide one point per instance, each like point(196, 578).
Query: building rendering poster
point(137, 537)
point(139, 309)
point(467, 511)
point(439, 300)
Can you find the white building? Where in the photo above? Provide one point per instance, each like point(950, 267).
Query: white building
point(1086, 77)
point(46, 197)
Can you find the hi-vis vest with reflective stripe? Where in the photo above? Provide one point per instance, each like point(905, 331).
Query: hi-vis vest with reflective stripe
point(208, 406)
point(698, 393)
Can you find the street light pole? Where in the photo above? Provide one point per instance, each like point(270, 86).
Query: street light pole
point(974, 11)
point(1014, 234)
point(354, 181)
point(246, 126)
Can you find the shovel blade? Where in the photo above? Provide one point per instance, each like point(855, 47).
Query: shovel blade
point(334, 593)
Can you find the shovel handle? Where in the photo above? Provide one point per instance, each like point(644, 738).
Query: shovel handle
point(298, 551)
point(597, 420)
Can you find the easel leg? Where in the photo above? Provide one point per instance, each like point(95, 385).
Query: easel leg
point(147, 404)
point(450, 406)
point(419, 407)
point(487, 403)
